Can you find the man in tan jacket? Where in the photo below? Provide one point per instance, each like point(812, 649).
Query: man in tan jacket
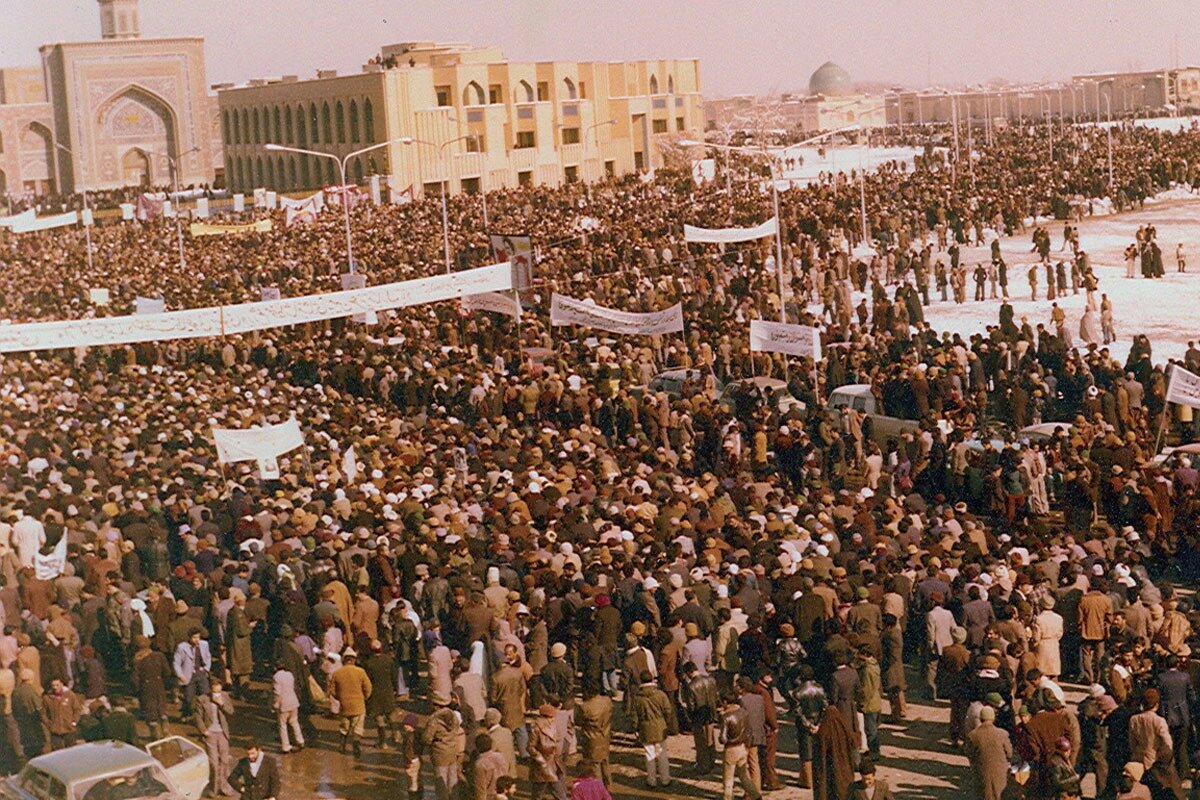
point(351, 687)
point(1095, 612)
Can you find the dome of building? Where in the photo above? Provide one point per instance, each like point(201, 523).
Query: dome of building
point(829, 79)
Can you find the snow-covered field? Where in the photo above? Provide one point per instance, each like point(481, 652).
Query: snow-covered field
point(842, 158)
point(1167, 310)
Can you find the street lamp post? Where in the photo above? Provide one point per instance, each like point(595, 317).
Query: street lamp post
point(174, 162)
point(1108, 106)
point(774, 160)
point(1049, 120)
point(441, 148)
point(341, 162)
point(594, 126)
point(87, 223)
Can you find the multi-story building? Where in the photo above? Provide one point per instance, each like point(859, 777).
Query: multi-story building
point(109, 113)
point(434, 115)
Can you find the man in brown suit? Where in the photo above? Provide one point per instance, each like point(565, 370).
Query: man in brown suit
point(1095, 612)
point(510, 693)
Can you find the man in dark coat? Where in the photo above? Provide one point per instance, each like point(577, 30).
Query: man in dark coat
point(256, 776)
point(381, 669)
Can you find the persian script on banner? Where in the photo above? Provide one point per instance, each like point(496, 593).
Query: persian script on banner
point(719, 235)
point(494, 302)
point(779, 337)
point(567, 311)
point(256, 444)
point(211, 229)
point(1184, 388)
point(246, 317)
point(25, 217)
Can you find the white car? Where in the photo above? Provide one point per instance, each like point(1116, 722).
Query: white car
point(784, 401)
point(169, 769)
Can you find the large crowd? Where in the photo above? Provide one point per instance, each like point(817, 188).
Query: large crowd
point(537, 549)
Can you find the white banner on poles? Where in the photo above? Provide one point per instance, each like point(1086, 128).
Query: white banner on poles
point(779, 337)
point(494, 302)
point(29, 225)
point(25, 217)
point(1184, 387)
point(567, 311)
point(256, 444)
point(719, 235)
point(245, 317)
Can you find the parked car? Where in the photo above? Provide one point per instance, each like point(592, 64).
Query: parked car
point(785, 402)
point(1042, 431)
point(859, 397)
point(168, 769)
point(672, 381)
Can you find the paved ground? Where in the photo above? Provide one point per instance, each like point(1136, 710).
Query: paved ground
point(916, 760)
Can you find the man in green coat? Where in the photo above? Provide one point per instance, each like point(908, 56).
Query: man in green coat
point(651, 714)
point(870, 697)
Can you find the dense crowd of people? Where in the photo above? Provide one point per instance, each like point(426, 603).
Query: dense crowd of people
point(532, 551)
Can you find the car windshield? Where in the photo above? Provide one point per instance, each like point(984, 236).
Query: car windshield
point(146, 782)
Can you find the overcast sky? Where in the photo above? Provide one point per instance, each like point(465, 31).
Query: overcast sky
point(754, 46)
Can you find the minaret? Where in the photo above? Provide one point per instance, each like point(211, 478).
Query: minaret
point(119, 19)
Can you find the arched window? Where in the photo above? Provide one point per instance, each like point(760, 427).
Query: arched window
point(278, 128)
point(653, 84)
point(357, 171)
point(270, 184)
point(291, 184)
point(280, 176)
point(258, 172)
point(326, 128)
point(301, 128)
point(257, 127)
point(340, 115)
point(670, 84)
point(224, 129)
point(354, 122)
point(313, 123)
point(245, 126)
point(473, 94)
point(287, 124)
point(569, 88)
point(304, 179)
point(369, 121)
point(229, 171)
point(331, 177)
point(523, 92)
point(237, 128)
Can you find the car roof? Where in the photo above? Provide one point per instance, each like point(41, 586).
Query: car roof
point(854, 388)
point(90, 760)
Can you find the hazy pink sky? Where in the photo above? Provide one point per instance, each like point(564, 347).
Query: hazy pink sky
point(755, 46)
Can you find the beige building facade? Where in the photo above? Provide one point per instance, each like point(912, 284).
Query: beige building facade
point(431, 115)
point(120, 111)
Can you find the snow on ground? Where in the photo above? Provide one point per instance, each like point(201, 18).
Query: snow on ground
point(1166, 310)
point(840, 158)
point(1172, 124)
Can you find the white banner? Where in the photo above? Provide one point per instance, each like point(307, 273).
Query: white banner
point(270, 293)
point(127, 210)
point(315, 201)
point(566, 311)
point(86, 217)
point(779, 337)
point(98, 296)
point(149, 305)
point(260, 197)
point(272, 200)
point(24, 218)
point(201, 208)
point(245, 317)
point(376, 197)
point(44, 223)
point(1184, 388)
point(716, 235)
point(256, 444)
point(492, 301)
point(47, 568)
point(239, 203)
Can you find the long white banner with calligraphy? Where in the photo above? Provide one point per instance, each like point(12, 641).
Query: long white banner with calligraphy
point(245, 317)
